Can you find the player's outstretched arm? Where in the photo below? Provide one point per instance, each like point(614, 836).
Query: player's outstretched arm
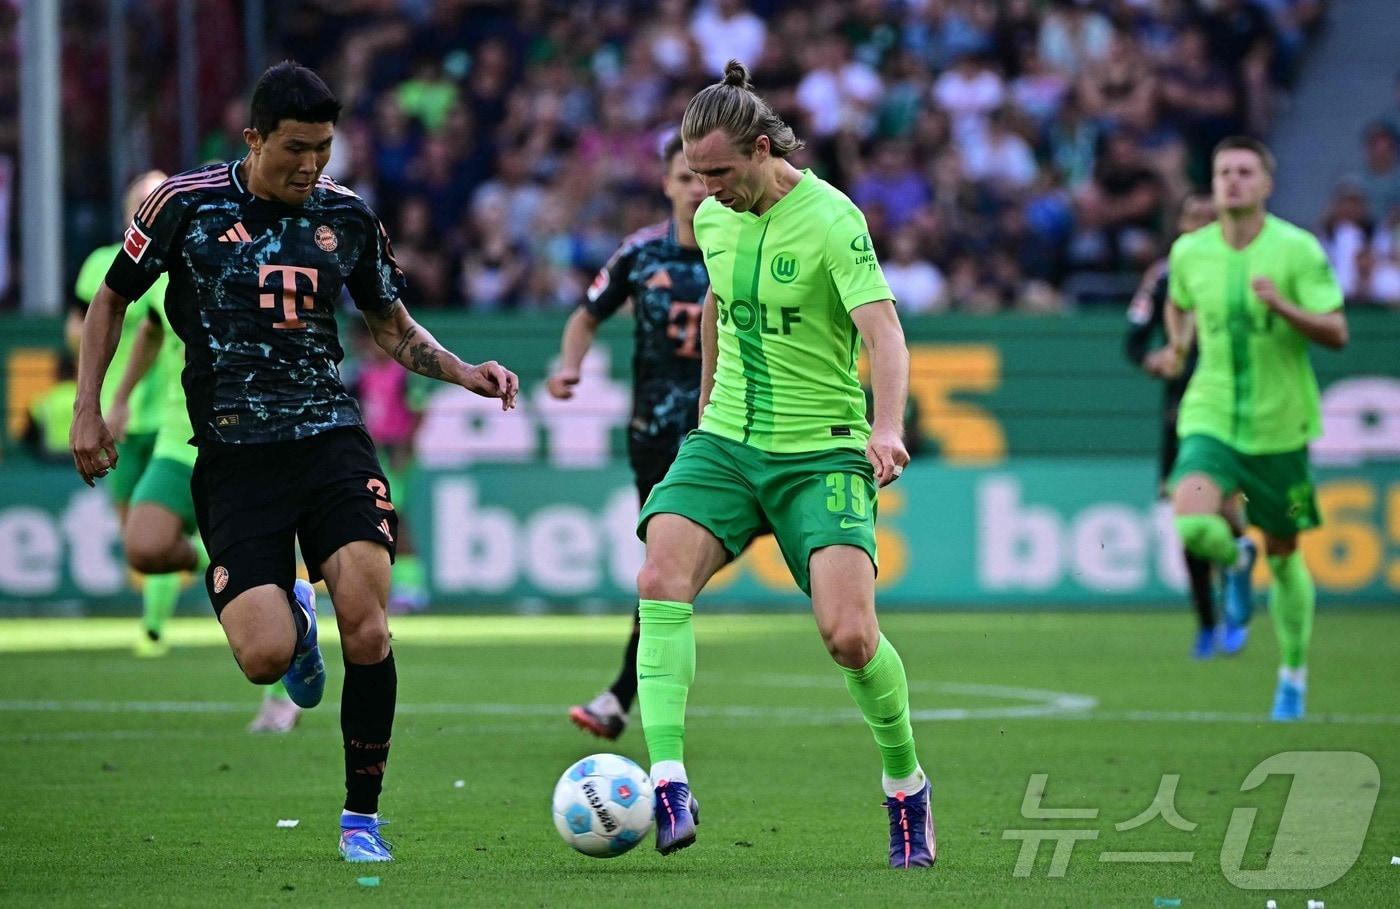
point(709, 347)
point(398, 335)
point(889, 377)
point(94, 451)
point(579, 333)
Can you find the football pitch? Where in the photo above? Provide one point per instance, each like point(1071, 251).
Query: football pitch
point(133, 783)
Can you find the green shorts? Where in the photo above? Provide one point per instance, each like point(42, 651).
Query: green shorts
point(166, 483)
point(808, 499)
point(133, 456)
point(1279, 495)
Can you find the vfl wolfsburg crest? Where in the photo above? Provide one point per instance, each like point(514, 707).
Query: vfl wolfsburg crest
point(784, 268)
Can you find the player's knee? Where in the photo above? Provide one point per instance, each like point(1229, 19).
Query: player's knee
point(147, 555)
point(264, 665)
point(656, 582)
point(850, 643)
point(365, 642)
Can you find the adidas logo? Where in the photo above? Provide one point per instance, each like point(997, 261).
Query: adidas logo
point(384, 529)
point(236, 234)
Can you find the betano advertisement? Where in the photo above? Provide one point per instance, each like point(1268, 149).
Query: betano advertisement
point(1035, 486)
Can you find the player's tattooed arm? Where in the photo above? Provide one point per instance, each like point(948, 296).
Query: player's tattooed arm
point(398, 335)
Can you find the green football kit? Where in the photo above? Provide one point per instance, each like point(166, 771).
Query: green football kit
point(1251, 407)
point(781, 441)
point(1253, 391)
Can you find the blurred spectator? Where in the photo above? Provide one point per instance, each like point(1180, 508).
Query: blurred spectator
point(419, 256)
point(1199, 98)
point(1120, 87)
point(725, 29)
point(1380, 178)
point(513, 145)
point(1362, 253)
point(837, 92)
point(892, 189)
point(917, 284)
point(1003, 160)
point(1074, 35)
point(1119, 210)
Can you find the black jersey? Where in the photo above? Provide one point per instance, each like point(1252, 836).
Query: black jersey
point(666, 283)
point(1146, 321)
point(253, 288)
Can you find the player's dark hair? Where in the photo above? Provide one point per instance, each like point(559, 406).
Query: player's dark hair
point(290, 91)
point(733, 106)
point(1246, 143)
point(671, 148)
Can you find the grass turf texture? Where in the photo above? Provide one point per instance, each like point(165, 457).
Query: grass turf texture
point(132, 782)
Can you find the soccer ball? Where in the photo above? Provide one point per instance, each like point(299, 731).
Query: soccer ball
point(603, 805)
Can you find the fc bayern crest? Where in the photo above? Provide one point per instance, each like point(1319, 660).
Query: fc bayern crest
point(326, 238)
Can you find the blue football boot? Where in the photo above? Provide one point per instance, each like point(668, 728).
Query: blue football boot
point(677, 814)
point(360, 840)
point(1238, 586)
point(913, 842)
point(306, 679)
point(1289, 702)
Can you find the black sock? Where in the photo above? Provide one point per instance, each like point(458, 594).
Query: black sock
point(625, 688)
point(1202, 593)
point(298, 616)
point(366, 721)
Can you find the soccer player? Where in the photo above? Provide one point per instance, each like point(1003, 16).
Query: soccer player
point(1146, 317)
point(783, 443)
point(1253, 290)
point(134, 411)
point(258, 251)
point(660, 270)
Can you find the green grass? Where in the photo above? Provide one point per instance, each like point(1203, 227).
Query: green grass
point(132, 782)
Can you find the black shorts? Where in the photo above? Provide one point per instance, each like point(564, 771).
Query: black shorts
point(650, 459)
point(253, 503)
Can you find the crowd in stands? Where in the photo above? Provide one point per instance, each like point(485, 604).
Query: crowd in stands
point(1005, 152)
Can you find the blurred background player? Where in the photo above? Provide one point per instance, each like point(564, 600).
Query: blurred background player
point(784, 443)
point(136, 421)
point(660, 271)
point(1146, 327)
point(1252, 290)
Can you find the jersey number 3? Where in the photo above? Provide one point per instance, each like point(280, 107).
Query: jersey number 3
point(293, 294)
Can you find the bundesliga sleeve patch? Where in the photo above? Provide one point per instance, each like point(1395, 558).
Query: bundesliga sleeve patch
point(600, 284)
point(135, 243)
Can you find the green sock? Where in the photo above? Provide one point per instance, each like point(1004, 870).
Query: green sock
point(1208, 536)
point(276, 692)
point(1292, 602)
point(881, 690)
point(158, 596)
point(665, 670)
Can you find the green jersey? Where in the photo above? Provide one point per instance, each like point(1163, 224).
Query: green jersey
point(785, 283)
point(1254, 387)
point(173, 436)
point(148, 395)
